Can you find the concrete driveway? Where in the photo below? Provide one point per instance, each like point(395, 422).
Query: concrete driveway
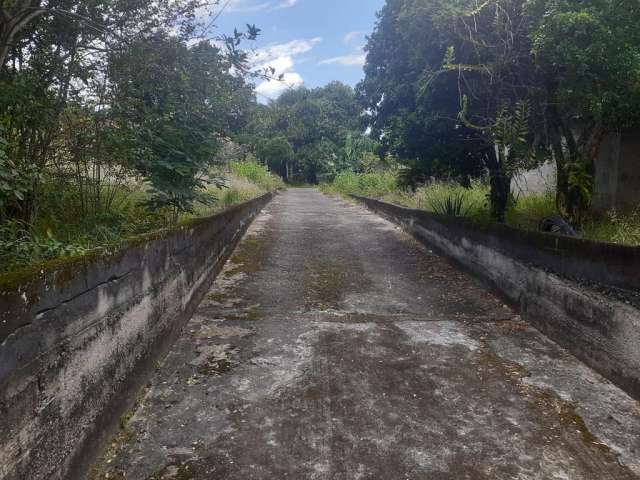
point(333, 346)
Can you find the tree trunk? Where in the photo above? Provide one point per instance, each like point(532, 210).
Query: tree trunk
point(499, 195)
point(500, 192)
point(14, 18)
point(562, 178)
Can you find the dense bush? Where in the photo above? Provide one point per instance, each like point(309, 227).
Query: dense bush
point(616, 227)
point(376, 184)
point(257, 174)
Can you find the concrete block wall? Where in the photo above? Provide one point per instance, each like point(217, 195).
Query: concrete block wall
point(617, 172)
point(78, 337)
point(533, 271)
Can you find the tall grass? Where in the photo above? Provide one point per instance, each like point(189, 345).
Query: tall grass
point(528, 211)
point(434, 197)
point(61, 229)
point(257, 174)
point(373, 185)
point(615, 227)
point(450, 198)
point(472, 202)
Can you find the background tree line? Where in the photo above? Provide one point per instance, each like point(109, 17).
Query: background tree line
point(112, 103)
point(309, 135)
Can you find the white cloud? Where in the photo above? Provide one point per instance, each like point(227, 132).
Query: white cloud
point(280, 64)
point(351, 36)
point(277, 50)
point(287, 3)
point(356, 59)
point(272, 88)
point(281, 57)
point(250, 6)
point(247, 6)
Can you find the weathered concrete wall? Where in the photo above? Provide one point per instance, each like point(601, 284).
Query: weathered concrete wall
point(540, 180)
point(617, 172)
point(604, 333)
point(78, 338)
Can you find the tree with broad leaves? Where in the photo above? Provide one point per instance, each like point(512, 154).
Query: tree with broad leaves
point(575, 64)
point(316, 123)
point(277, 154)
point(60, 72)
point(174, 106)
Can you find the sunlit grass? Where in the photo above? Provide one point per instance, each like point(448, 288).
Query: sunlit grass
point(374, 185)
point(528, 211)
point(615, 227)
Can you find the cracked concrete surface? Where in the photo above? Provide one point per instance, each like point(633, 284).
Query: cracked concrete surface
point(333, 346)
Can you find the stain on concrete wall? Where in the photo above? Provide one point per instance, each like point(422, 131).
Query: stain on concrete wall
point(617, 172)
point(538, 273)
point(78, 337)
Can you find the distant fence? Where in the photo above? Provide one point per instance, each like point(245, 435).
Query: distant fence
point(530, 269)
point(78, 337)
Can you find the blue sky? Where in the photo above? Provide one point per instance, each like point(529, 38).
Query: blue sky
point(311, 42)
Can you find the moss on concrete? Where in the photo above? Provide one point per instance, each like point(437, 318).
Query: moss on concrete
point(67, 268)
point(544, 399)
point(182, 471)
point(247, 258)
point(325, 281)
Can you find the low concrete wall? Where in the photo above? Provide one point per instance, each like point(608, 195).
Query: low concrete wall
point(604, 333)
point(77, 339)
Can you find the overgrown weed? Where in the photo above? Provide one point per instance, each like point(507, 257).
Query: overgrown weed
point(63, 227)
point(451, 198)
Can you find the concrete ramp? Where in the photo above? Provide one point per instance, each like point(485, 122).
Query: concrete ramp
point(334, 346)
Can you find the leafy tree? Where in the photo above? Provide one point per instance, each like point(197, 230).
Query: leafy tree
point(575, 64)
point(174, 105)
point(411, 109)
point(358, 153)
point(60, 79)
point(492, 66)
point(316, 123)
point(590, 54)
point(318, 160)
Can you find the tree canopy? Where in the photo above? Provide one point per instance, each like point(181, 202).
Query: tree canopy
point(321, 125)
point(93, 93)
point(442, 77)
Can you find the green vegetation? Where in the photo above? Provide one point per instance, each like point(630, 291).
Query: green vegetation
point(375, 185)
point(454, 89)
point(450, 198)
point(309, 136)
point(116, 119)
point(615, 227)
point(463, 96)
point(257, 174)
point(136, 120)
point(61, 230)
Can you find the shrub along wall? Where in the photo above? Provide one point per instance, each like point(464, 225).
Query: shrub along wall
point(537, 272)
point(78, 337)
